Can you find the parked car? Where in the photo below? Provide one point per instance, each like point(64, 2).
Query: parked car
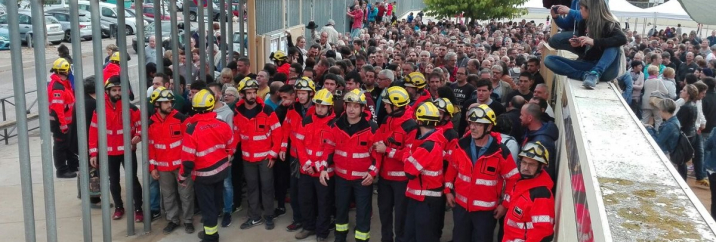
point(238, 42)
point(166, 40)
point(63, 15)
point(54, 28)
point(103, 22)
point(3, 9)
point(149, 11)
point(108, 12)
point(194, 11)
point(4, 38)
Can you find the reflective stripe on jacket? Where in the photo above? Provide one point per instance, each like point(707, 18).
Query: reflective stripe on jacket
point(165, 138)
point(62, 101)
point(206, 146)
point(530, 213)
point(260, 136)
point(115, 133)
point(398, 134)
point(315, 149)
point(424, 165)
point(352, 157)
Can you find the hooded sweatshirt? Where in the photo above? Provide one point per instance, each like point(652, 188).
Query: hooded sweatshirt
point(547, 135)
point(225, 114)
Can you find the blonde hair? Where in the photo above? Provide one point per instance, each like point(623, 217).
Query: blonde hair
point(669, 72)
point(652, 70)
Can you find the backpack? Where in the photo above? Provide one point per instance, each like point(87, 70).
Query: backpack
point(683, 151)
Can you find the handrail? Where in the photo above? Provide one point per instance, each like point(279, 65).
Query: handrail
point(6, 135)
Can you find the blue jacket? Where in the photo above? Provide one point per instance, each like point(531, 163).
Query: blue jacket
point(373, 13)
point(547, 135)
point(567, 22)
point(710, 145)
point(668, 134)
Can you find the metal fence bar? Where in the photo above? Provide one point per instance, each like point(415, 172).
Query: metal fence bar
point(23, 139)
point(141, 55)
point(175, 46)
point(225, 36)
point(40, 30)
point(124, 77)
point(158, 37)
point(81, 122)
point(188, 76)
point(202, 40)
point(209, 47)
point(241, 31)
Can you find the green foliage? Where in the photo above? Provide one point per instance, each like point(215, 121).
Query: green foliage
point(476, 9)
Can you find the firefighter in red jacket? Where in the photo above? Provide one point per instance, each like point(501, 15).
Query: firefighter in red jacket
point(415, 84)
point(296, 104)
point(115, 146)
point(354, 166)
point(166, 131)
point(62, 105)
point(257, 128)
point(447, 110)
point(475, 176)
point(112, 68)
point(530, 213)
point(392, 140)
point(424, 169)
point(314, 153)
point(207, 146)
point(280, 59)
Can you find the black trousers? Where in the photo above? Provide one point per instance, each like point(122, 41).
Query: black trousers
point(64, 149)
point(237, 176)
point(209, 196)
point(363, 196)
point(281, 180)
point(712, 187)
point(422, 219)
point(114, 162)
point(474, 226)
point(391, 195)
point(293, 191)
point(315, 205)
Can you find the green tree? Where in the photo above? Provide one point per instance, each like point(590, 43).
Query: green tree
point(475, 9)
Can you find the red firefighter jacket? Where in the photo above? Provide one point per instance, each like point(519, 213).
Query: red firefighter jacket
point(260, 135)
point(165, 136)
point(478, 187)
point(424, 166)
point(315, 149)
point(530, 213)
point(290, 127)
point(352, 157)
point(62, 101)
point(398, 134)
point(115, 133)
point(110, 70)
point(206, 146)
point(285, 68)
point(424, 97)
point(451, 137)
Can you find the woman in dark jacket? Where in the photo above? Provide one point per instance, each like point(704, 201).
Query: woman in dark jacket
point(598, 48)
point(668, 134)
point(687, 113)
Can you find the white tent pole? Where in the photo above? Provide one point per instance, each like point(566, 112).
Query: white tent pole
point(643, 28)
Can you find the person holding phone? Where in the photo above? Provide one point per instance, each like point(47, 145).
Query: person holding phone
point(598, 49)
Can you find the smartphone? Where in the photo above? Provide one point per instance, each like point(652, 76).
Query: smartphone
point(554, 9)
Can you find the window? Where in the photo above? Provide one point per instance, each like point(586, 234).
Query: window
point(148, 10)
point(3, 19)
point(107, 12)
point(51, 20)
point(25, 19)
point(61, 17)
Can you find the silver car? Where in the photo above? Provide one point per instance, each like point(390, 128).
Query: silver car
point(54, 29)
point(63, 16)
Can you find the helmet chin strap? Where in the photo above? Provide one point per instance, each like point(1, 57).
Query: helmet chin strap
point(539, 170)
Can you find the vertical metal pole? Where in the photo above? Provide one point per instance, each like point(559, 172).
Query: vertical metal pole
point(126, 122)
point(38, 27)
point(175, 44)
point(225, 35)
point(230, 40)
point(158, 11)
point(187, 47)
point(141, 56)
point(211, 38)
point(23, 143)
point(202, 39)
point(101, 123)
point(242, 35)
point(300, 12)
point(81, 121)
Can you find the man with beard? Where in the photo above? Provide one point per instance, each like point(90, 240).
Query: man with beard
point(165, 134)
point(538, 131)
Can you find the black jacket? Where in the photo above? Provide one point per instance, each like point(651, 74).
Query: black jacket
point(687, 117)
point(709, 109)
point(613, 37)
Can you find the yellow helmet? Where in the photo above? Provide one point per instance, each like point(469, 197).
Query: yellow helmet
point(305, 84)
point(481, 114)
point(112, 82)
point(247, 83)
point(355, 96)
point(115, 56)
point(161, 94)
point(323, 97)
point(445, 105)
point(397, 96)
point(203, 101)
point(427, 112)
point(536, 151)
point(415, 79)
point(61, 65)
point(279, 55)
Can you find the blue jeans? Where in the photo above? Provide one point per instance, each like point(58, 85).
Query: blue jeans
point(699, 168)
point(293, 193)
point(154, 195)
point(627, 81)
point(228, 194)
point(607, 66)
point(355, 33)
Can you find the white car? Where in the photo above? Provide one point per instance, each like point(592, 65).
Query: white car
point(54, 29)
point(108, 12)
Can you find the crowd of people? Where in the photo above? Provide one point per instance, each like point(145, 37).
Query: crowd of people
point(426, 116)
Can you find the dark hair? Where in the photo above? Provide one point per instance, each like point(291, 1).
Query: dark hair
point(484, 83)
point(89, 84)
point(232, 65)
point(286, 89)
point(503, 124)
point(355, 76)
point(298, 68)
point(151, 68)
point(198, 85)
point(691, 78)
point(710, 82)
point(165, 77)
point(447, 92)
point(270, 69)
point(168, 71)
point(527, 74)
point(215, 85)
point(542, 102)
point(279, 77)
point(533, 59)
point(245, 60)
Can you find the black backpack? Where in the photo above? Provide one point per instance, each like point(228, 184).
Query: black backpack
point(683, 151)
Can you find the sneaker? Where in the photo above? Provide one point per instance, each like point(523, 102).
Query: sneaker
point(590, 79)
point(237, 209)
point(319, 239)
point(226, 220)
point(269, 223)
point(189, 228)
point(156, 215)
point(304, 234)
point(138, 216)
point(294, 226)
point(251, 223)
point(278, 212)
point(171, 226)
point(118, 213)
point(332, 225)
point(66, 174)
point(704, 182)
